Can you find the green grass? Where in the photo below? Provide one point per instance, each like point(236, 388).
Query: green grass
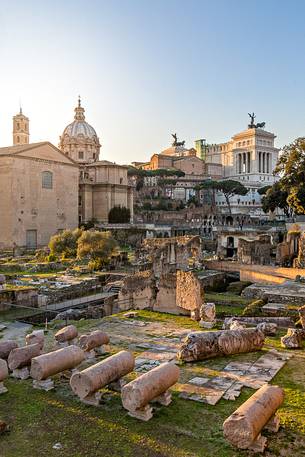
point(40, 419)
point(226, 298)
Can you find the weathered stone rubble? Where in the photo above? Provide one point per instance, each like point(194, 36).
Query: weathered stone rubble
point(268, 328)
point(3, 375)
point(242, 429)
point(6, 347)
point(232, 323)
point(203, 345)
point(37, 336)
point(207, 315)
point(293, 339)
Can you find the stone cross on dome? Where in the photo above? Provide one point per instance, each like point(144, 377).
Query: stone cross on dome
point(79, 111)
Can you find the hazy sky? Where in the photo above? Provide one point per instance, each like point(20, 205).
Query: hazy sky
point(147, 68)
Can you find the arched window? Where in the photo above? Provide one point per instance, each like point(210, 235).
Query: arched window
point(18, 139)
point(47, 180)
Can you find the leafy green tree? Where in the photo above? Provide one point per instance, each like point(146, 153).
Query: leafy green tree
point(119, 215)
point(228, 187)
point(65, 243)
point(263, 190)
point(97, 247)
point(275, 198)
point(291, 168)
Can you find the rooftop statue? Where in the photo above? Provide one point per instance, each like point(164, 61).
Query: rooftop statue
point(176, 142)
point(252, 125)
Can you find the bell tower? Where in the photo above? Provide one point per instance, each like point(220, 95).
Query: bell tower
point(21, 133)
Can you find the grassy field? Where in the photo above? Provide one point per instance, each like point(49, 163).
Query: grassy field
point(40, 419)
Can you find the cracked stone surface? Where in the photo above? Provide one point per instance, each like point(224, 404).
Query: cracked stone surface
point(233, 378)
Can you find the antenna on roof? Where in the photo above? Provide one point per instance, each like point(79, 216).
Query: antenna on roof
point(20, 108)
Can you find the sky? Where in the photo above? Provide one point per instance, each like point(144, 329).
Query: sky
point(146, 69)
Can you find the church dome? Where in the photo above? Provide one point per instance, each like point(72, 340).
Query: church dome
point(77, 128)
point(79, 139)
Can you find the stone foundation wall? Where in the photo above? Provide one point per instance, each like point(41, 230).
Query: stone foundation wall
point(166, 296)
point(138, 291)
point(189, 293)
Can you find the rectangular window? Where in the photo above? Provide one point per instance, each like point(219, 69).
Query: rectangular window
point(47, 180)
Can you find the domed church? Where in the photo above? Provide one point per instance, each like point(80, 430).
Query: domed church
point(79, 140)
point(102, 184)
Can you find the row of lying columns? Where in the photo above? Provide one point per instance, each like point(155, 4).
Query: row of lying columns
point(242, 429)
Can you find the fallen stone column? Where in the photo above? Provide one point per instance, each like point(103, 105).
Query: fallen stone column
point(66, 335)
point(3, 375)
point(46, 365)
point(151, 386)
point(242, 429)
point(20, 359)
point(37, 336)
point(6, 347)
point(86, 383)
point(93, 342)
point(203, 345)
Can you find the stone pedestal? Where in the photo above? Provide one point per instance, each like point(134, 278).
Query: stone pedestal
point(3, 389)
point(144, 414)
point(47, 384)
point(21, 373)
point(117, 385)
point(93, 399)
point(164, 399)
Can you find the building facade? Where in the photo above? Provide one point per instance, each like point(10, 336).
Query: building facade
point(39, 194)
point(249, 157)
point(179, 158)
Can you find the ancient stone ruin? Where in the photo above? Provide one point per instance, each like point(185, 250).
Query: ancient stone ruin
point(46, 365)
point(293, 339)
point(166, 255)
point(255, 251)
point(207, 315)
point(150, 387)
point(19, 360)
point(3, 375)
point(203, 345)
point(66, 336)
point(243, 428)
point(93, 343)
point(108, 372)
point(37, 336)
point(177, 293)
point(6, 347)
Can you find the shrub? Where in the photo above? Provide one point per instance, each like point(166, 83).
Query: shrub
point(65, 243)
point(51, 258)
point(119, 215)
point(97, 247)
